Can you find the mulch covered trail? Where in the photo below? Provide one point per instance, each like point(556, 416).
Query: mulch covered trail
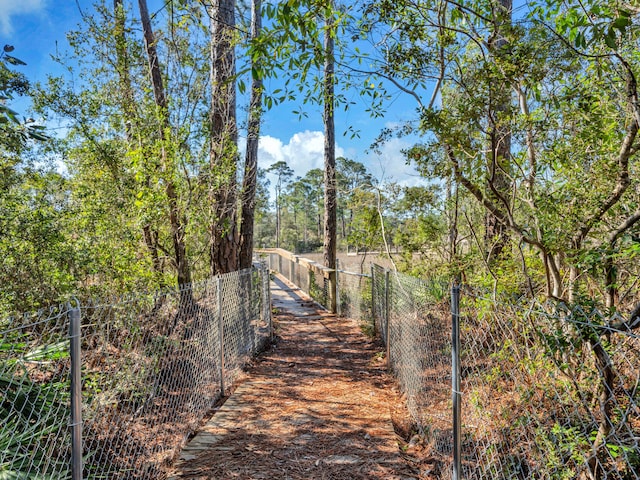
point(317, 405)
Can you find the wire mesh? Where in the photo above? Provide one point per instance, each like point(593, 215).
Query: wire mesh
point(245, 327)
point(319, 288)
point(379, 301)
point(149, 376)
point(548, 392)
point(300, 275)
point(419, 346)
point(354, 297)
point(153, 366)
point(35, 440)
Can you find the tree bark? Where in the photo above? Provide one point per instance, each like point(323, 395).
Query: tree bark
point(452, 197)
point(606, 400)
point(177, 229)
point(330, 210)
point(225, 242)
point(278, 218)
point(499, 158)
point(249, 181)
point(127, 105)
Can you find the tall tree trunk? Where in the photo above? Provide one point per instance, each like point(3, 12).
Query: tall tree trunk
point(131, 122)
point(225, 240)
point(452, 198)
point(175, 223)
point(499, 157)
point(330, 210)
point(250, 180)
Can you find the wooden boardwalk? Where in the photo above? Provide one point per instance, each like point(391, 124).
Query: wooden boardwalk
point(315, 406)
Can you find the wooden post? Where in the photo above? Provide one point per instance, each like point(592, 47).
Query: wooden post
point(373, 301)
point(331, 294)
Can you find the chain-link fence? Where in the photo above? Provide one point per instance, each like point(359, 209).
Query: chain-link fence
point(152, 366)
point(35, 363)
point(354, 297)
point(546, 392)
point(414, 320)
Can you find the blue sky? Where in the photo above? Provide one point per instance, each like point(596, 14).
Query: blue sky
point(37, 28)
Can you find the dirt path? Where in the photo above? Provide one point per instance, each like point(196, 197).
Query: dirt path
point(316, 406)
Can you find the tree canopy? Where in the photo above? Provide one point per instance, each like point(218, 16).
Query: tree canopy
point(526, 113)
point(527, 120)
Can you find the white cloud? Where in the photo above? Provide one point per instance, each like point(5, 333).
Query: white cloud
point(10, 8)
point(270, 151)
point(390, 164)
point(303, 152)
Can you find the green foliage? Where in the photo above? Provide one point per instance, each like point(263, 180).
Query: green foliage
point(365, 232)
point(303, 200)
point(14, 133)
point(563, 447)
point(32, 413)
point(40, 417)
point(122, 155)
point(116, 176)
point(366, 307)
point(317, 291)
point(419, 227)
point(291, 49)
point(32, 207)
point(38, 258)
point(557, 88)
point(301, 203)
point(589, 23)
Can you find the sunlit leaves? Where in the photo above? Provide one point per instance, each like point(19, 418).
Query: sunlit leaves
point(14, 132)
point(34, 240)
point(588, 23)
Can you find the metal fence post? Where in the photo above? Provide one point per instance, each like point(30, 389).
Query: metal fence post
point(220, 336)
point(373, 299)
point(76, 393)
point(338, 309)
point(455, 379)
point(266, 285)
point(387, 312)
